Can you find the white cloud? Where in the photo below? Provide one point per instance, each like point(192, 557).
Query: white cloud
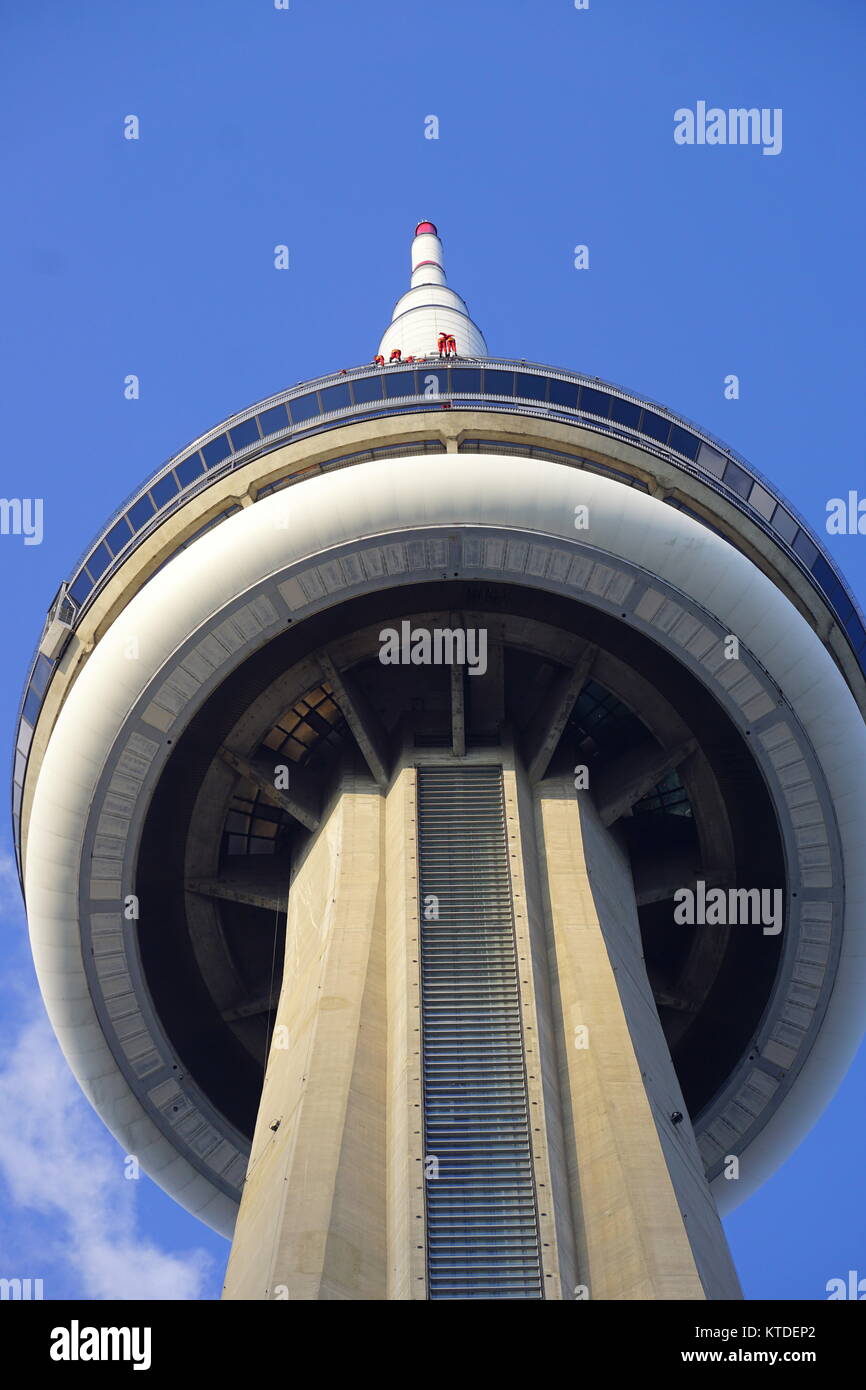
point(59, 1163)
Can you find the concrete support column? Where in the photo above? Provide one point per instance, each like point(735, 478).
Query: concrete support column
point(312, 1221)
point(644, 1220)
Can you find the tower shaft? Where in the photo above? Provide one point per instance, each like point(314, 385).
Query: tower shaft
point(468, 1093)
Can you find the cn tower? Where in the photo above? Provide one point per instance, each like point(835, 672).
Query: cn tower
point(439, 805)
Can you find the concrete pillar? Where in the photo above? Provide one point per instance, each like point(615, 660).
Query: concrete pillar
point(312, 1220)
point(644, 1221)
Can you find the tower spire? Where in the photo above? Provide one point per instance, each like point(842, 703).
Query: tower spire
point(430, 307)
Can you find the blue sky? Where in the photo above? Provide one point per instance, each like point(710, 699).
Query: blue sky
point(306, 127)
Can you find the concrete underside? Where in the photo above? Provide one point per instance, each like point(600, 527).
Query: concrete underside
point(333, 1205)
point(152, 1048)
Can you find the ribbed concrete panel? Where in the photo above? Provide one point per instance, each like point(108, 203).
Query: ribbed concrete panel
point(312, 1221)
point(645, 1223)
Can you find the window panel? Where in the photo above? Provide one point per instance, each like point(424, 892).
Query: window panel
point(304, 408)
point(737, 480)
point(81, 588)
point(189, 470)
point(98, 561)
point(400, 384)
point(244, 433)
point(467, 380)
point(497, 383)
point(805, 548)
point(367, 388)
point(784, 524)
point(685, 443)
point(534, 388)
point(594, 402)
point(274, 420)
point(217, 450)
point(161, 492)
point(434, 380)
point(625, 412)
point(563, 393)
point(118, 536)
point(42, 672)
point(32, 705)
point(335, 397)
point(822, 571)
point(656, 426)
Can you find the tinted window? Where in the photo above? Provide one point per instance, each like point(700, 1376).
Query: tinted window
point(435, 381)
point(831, 586)
point(625, 412)
point(336, 397)
point(190, 469)
point(217, 450)
point(304, 408)
point(467, 380)
point(822, 572)
point(81, 588)
point(805, 548)
point(245, 433)
point(25, 736)
point(118, 536)
point(595, 402)
point(274, 419)
point(42, 670)
point(141, 511)
point(31, 706)
point(711, 459)
point(161, 492)
point(563, 393)
point(684, 443)
point(656, 426)
point(784, 524)
point(400, 384)
point(499, 383)
point(367, 388)
point(97, 561)
point(738, 481)
point(534, 388)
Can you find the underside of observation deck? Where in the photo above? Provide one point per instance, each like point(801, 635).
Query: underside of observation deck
point(667, 770)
